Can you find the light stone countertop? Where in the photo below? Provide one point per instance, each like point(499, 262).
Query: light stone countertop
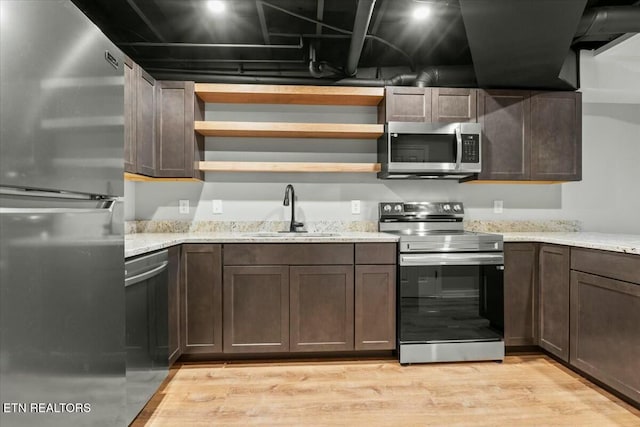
point(626, 243)
point(141, 243)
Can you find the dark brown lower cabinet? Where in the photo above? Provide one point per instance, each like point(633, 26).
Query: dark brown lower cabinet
point(520, 294)
point(554, 268)
point(375, 307)
point(202, 298)
point(175, 349)
point(321, 308)
point(605, 337)
point(256, 309)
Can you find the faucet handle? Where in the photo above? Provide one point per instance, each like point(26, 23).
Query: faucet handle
point(297, 224)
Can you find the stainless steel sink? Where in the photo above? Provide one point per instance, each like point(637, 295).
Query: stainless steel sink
point(291, 234)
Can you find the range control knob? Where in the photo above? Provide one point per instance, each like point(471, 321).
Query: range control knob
point(457, 208)
point(398, 208)
point(446, 207)
point(386, 208)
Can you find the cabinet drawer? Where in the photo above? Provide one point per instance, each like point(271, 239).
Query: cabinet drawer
point(376, 253)
point(616, 265)
point(289, 254)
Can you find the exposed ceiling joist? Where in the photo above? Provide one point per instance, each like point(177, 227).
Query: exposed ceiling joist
point(319, 16)
point(263, 22)
point(146, 20)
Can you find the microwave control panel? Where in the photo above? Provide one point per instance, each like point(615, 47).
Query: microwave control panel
point(470, 148)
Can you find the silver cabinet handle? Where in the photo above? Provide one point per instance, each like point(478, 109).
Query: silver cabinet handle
point(144, 276)
point(458, 148)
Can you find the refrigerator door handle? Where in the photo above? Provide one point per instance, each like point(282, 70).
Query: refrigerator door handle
point(107, 207)
point(13, 191)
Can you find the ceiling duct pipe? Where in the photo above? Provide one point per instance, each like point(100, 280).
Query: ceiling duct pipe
point(398, 80)
point(605, 21)
point(454, 76)
point(360, 28)
point(320, 69)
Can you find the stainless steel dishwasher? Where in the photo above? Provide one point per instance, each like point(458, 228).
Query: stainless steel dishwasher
point(146, 290)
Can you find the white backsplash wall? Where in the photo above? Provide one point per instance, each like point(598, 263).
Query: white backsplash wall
point(607, 199)
point(129, 200)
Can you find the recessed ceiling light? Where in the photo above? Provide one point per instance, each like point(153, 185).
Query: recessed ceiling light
point(421, 12)
point(216, 6)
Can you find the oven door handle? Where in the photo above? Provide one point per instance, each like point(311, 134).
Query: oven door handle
point(452, 259)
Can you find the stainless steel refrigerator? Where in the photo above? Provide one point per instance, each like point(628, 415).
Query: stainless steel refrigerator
point(62, 310)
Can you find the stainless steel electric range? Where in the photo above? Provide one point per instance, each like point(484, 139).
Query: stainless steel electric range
point(450, 284)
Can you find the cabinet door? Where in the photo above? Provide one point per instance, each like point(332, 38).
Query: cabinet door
point(605, 343)
point(256, 309)
point(321, 308)
point(174, 129)
point(505, 116)
point(554, 300)
point(408, 104)
point(145, 123)
point(520, 293)
point(453, 105)
point(556, 136)
point(175, 349)
point(375, 307)
point(201, 299)
point(129, 116)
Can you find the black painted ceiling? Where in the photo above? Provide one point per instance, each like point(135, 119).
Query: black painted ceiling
point(403, 45)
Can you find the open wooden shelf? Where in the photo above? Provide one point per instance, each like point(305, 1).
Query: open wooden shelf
point(277, 94)
point(290, 130)
point(210, 166)
point(143, 178)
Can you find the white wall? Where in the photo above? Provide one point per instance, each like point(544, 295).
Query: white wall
point(129, 200)
point(611, 156)
point(608, 197)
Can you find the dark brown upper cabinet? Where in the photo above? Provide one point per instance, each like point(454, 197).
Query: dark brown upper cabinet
point(556, 135)
point(453, 105)
point(201, 298)
point(554, 285)
point(145, 129)
point(129, 116)
point(256, 309)
point(175, 138)
point(520, 294)
point(159, 134)
point(423, 104)
point(505, 116)
point(531, 136)
point(406, 104)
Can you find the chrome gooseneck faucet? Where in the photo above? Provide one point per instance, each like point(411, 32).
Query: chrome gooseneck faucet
point(293, 227)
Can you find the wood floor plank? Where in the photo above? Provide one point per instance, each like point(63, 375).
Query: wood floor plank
point(530, 390)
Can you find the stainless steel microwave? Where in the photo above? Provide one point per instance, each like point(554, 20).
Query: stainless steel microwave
point(409, 150)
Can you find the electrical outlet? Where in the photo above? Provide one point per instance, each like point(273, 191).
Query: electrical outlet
point(498, 206)
point(217, 206)
point(184, 206)
point(355, 207)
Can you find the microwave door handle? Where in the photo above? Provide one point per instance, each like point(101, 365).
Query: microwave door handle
point(458, 148)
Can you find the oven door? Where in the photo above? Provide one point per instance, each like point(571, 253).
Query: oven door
point(451, 297)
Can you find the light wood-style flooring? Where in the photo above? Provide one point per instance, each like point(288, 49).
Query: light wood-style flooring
point(530, 390)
